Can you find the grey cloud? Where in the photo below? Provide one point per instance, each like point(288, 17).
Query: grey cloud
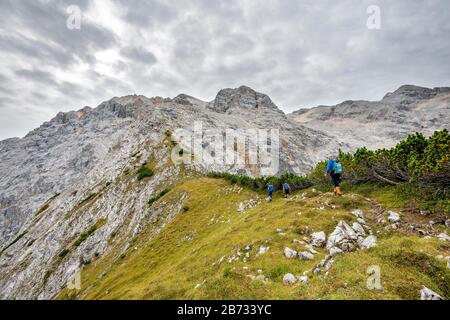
point(36, 76)
point(301, 53)
point(48, 20)
point(147, 13)
point(139, 54)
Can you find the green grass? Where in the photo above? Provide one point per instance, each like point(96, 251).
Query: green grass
point(167, 266)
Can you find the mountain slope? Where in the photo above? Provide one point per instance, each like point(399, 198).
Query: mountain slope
point(211, 250)
point(381, 124)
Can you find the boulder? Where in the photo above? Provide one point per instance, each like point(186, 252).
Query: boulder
point(359, 229)
point(358, 213)
point(428, 294)
point(343, 237)
point(443, 237)
point(394, 217)
point(289, 253)
point(289, 279)
point(303, 279)
point(369, 242)
point(306, 255)
point(318, 239)
point(334, 251)
point(447, 223)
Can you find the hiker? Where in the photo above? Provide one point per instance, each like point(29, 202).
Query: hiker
point(334, 169)
point(270, 190)
point(286, 189)
point(337, 174)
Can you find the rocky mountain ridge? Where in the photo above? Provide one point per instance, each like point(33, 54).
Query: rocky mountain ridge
point(381, 124)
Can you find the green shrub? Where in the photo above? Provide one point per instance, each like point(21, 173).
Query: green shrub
point(144, 172)
point(261, 184)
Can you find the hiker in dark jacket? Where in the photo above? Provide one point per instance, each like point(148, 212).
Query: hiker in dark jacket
point(270, 190)
point(286, 189)
point(334, 169)
point(337, 176)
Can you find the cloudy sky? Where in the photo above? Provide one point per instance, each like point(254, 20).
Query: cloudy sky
point(302, 53)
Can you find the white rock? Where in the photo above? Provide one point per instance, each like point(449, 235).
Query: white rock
point(263, 250)
point(359, 229)
point(306, 255)
point(443, 237)
point(334, 251)
point(369, 242)
point(289, 279)
point(428, 294)
point(303, 279)
point(318, 239)
point(241, 207)
point(447, 223)
point(394, 217)
point(448, 262)
point(289, 253)
point(358, 213)
point(328, 264)
point(343, 237)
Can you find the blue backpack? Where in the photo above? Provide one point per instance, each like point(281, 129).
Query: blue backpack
point(338, 168)
point(271, 188)
point(286, 187)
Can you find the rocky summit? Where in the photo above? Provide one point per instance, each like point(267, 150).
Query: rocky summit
point(93, 205)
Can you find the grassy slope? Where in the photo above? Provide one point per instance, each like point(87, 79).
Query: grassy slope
point(187, 251)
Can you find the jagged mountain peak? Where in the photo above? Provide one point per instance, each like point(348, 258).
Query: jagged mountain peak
point(241, 99)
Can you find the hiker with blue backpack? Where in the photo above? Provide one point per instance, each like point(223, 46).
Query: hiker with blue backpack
point(286, 189)
point(270, 190)
point(335, 170)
